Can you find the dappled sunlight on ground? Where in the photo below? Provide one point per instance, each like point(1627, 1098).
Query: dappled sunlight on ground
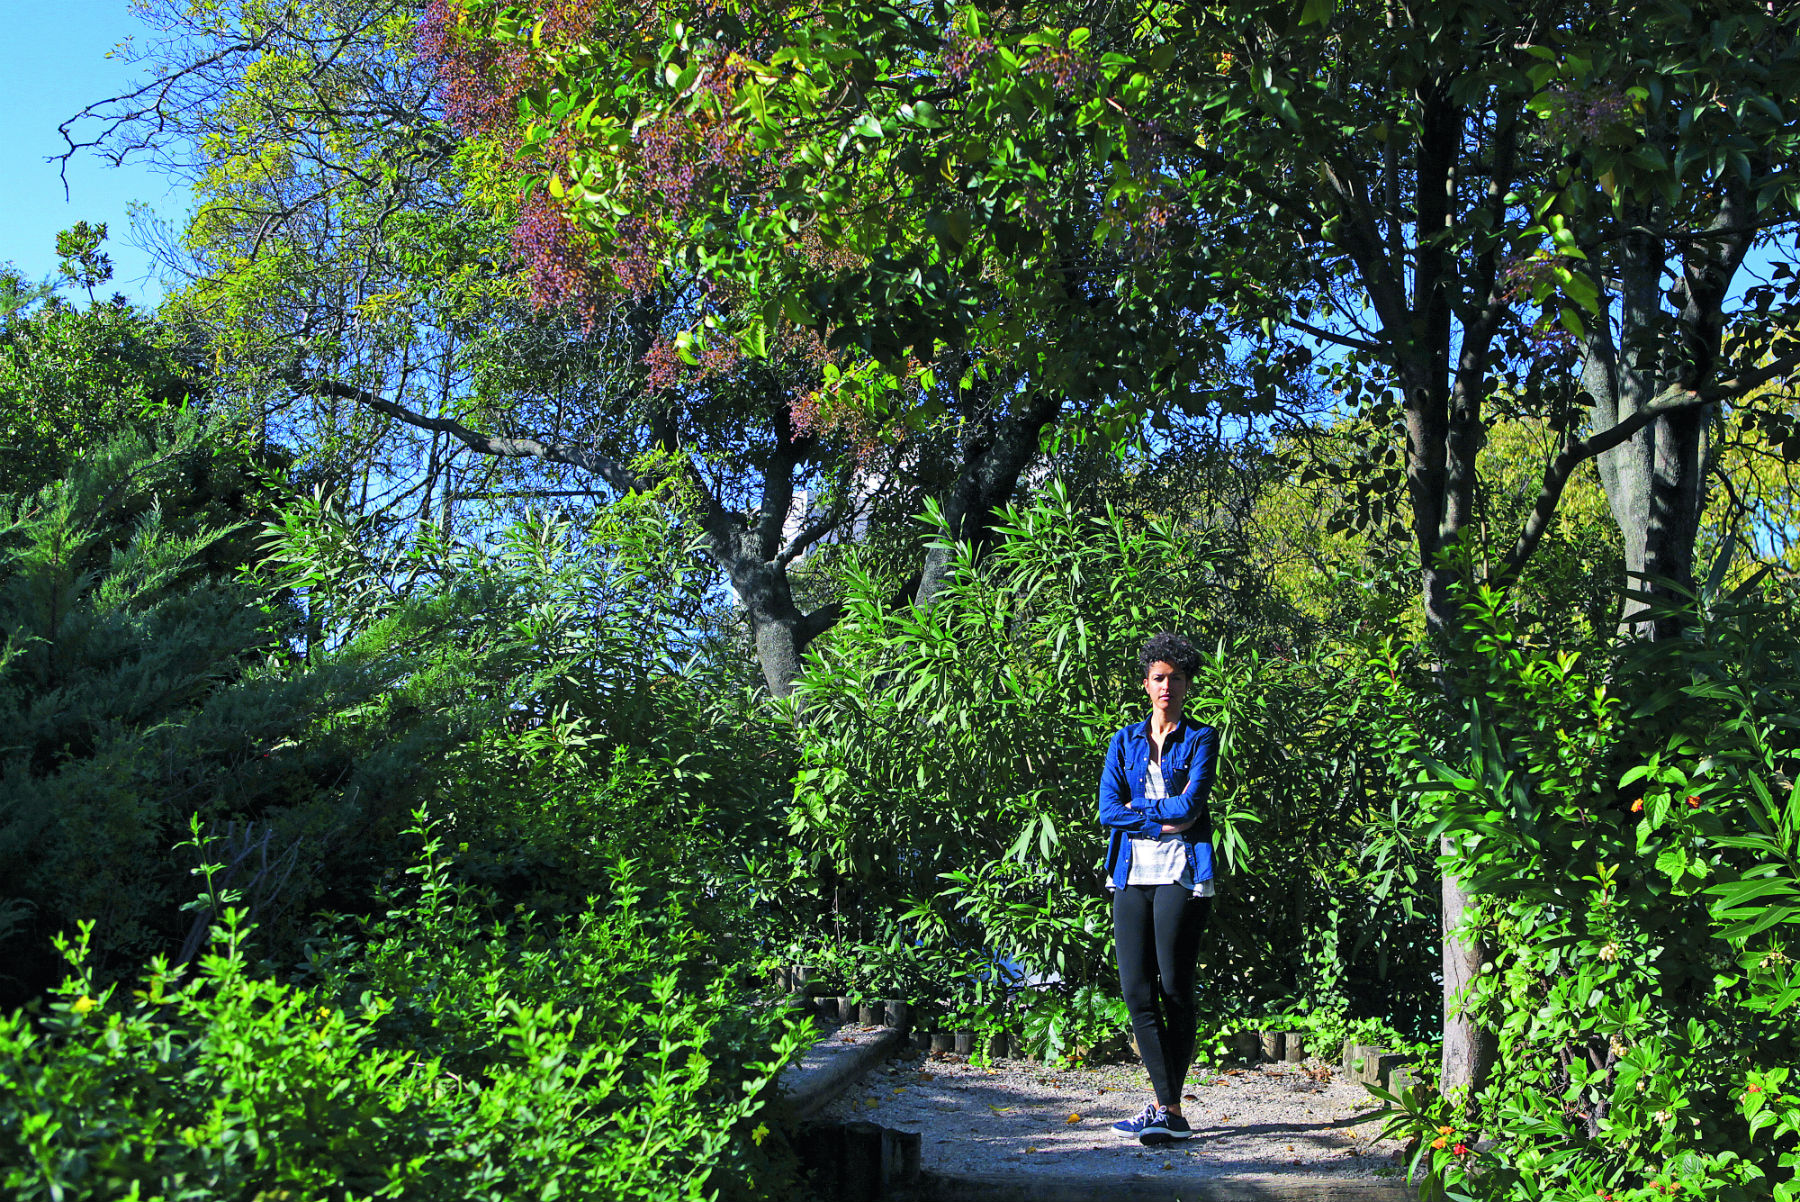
point(1015, 1115)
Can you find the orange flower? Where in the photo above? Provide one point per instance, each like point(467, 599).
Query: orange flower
point(1693, 803)
point(1637, 807)
point(1439, 1142)
point(1445, 1130)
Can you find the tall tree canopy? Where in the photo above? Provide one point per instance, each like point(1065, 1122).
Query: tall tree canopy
point(1455, 212)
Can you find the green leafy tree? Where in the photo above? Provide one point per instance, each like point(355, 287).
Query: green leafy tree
point(1636, 867)
point(365, 303)
point(71, 377)
point(1440, 197)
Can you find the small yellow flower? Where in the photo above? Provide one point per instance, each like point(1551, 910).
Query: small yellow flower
point(83, 1004)
point(760, 1133)
point(321, 1014)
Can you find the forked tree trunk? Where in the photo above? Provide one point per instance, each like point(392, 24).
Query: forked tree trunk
point(993, 454)
point(1655, 481)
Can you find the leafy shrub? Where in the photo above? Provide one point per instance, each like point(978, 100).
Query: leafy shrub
point(439, 1052)
point(945, 800)
point(1633, 835)
point(535, 693)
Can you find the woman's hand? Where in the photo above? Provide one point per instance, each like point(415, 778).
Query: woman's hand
point(1178, 827)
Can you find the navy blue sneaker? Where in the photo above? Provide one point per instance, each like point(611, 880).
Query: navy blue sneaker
point(1165, 1129)
point(1133, 1128)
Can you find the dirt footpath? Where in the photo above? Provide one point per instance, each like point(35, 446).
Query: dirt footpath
point(1017, 1115)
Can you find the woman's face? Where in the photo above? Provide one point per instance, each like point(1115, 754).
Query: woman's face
point(1168, 689)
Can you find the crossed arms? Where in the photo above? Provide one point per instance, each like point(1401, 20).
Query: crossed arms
point(1148, 818)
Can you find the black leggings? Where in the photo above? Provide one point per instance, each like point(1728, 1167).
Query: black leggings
point(1156, 929)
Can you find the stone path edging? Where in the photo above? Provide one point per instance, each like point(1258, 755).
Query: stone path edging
point(833, 1062)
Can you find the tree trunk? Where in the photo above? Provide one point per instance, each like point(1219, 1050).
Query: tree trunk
point(1644, 477)
point(993, 455)
point(1469, 1050)
point(1655, 480)
point(781, 632)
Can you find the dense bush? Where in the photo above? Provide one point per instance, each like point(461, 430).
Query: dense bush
point(951, 759)
point(1631, 828)
point(439, 1051)
point(534, 692)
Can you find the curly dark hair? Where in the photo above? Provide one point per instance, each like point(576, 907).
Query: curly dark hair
point(1169, 648)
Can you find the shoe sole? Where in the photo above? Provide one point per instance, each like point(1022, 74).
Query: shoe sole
point(1155, 1136)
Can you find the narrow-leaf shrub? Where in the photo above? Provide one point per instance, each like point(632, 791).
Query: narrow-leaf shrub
point(951, 759)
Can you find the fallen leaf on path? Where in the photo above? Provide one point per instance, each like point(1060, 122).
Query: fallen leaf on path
point(1073, 1118)
point(998, 1109)
point(1167, 1165)
point(1031, 1149)
point(1190, 1097)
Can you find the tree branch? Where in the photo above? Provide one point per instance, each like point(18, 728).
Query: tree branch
point(607, 468)
point(1556, 476)
point(1346, 340)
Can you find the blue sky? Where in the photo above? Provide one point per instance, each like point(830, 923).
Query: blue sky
point(54, 60)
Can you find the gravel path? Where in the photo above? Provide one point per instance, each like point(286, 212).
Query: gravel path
point(1019, 1115)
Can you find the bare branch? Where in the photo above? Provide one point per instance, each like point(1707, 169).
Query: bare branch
point(607, 468)
point(1346, 340)
point(796, 546)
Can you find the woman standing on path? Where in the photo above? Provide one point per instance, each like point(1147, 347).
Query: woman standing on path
point(1159, 868)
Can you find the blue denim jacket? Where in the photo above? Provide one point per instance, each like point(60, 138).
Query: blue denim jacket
point(1190, 759)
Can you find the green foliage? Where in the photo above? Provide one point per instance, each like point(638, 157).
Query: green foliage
point(951, 757)
point(438, 1050)
point(302, 711)
point(1077, 1028)
point(81, 261)
point(116, 634)
point(1633, 834)
point(70, 378)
